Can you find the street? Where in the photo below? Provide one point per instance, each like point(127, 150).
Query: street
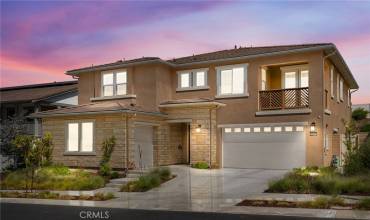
point(15, 211)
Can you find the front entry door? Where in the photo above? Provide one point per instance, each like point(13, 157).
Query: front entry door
point(143, 147)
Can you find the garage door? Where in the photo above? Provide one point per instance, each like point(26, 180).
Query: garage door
point(143, 146)
point(280, 147)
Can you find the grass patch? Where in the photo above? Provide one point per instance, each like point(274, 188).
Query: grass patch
point(320, 181)
point(148, 181)
point(51, 195)
point(54, 178)
point(200, 165)
point(318, 203)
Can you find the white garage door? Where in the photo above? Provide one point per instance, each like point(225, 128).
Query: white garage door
point(281, 147)
point(143, 146)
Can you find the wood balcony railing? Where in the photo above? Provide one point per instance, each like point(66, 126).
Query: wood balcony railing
point(283, 99)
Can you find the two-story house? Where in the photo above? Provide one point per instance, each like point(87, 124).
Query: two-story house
point(274, 107)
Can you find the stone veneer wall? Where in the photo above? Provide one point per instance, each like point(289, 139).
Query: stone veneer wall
point(105, 126)
point(200, 146)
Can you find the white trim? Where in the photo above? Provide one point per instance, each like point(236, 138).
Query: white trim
point(128, 96)
point(327, 111)
point(66, 131)
point(192, 79)
point(218, 72)
point(332, 81)
point(114, 72)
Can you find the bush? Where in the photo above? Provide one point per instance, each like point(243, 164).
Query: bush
point(364, 204)
point(114, 175)
point(107, 148)
point(148, 181)
point(200, 165)
point(364, 152)
point(365, 128)
point(54, 178)
point(326, 182)
point(105, 170)
point(359, 114)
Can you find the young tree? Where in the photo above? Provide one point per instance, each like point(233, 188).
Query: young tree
point(36, 153)
point(107, 148)
point(352, 159)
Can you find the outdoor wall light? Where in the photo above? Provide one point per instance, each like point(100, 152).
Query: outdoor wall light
point(198, 128)
point(313, 129)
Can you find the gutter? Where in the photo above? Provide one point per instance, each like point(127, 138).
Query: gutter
point(114, 66)
point(41, 115)
point(258, 55)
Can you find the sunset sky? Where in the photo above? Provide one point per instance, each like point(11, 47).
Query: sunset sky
point(41, 40)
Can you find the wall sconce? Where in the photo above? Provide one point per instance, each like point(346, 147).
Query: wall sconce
point(313, 129)
point(198, 128)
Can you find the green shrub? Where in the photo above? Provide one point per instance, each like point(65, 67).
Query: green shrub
point(359, 114)
point(320, 203)
point(59, 170)
point(54, 179)
point(200, 165)
point(364, 152)
point(105, 170)
point(107, 148)
point(365, 128)
point(364, 204)
point(148, 181)
point(324, 185)
point(114, 175)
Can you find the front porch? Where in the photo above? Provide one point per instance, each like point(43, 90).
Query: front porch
point(284, 88)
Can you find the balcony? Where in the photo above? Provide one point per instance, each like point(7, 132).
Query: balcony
point(281, 99)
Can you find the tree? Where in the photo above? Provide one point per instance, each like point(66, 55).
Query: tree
point(352, 158)
point(107, 148)
point(359, 114)
point(10, 128)
point(36, 153)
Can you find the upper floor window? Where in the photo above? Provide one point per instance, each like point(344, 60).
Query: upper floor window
point(332, 81)
point(192, 79)
point(232, 80)
point(341, 89)
point(80, 136)
point(295, 76)
point(338, 89)
point(114, 83)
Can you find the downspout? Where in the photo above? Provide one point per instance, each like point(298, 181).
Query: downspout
point(127, 142)
point(323, 104)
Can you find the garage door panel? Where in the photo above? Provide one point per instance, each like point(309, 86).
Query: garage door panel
point(264, 150)
point(264, 137)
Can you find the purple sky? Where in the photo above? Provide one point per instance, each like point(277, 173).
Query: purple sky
point(41, 40)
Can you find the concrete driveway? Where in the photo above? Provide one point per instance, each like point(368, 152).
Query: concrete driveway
point(201, 190)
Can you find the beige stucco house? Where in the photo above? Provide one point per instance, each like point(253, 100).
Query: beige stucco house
point(275, 107)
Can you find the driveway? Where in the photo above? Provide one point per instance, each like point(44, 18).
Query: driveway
point(201, 190)
point(191, 190)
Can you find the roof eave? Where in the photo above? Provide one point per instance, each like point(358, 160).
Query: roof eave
point(191, 104)
point(48, 115)
point(120, 65)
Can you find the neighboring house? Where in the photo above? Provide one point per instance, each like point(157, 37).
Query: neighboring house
point(20, 101)
point(364, 106)
point(275, 107)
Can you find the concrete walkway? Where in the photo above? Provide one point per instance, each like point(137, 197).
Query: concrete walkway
point(204, 190)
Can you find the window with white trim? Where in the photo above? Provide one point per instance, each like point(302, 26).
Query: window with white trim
point(114, 83)
point(247, 130)
point(295, 76)
point(80, 136)
point(332, 81)
point(232, 80)
point(237, 130)
point(337, 87)
point(192, 79)
point(227, 130)
point(349, 98)
point(341, 89)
